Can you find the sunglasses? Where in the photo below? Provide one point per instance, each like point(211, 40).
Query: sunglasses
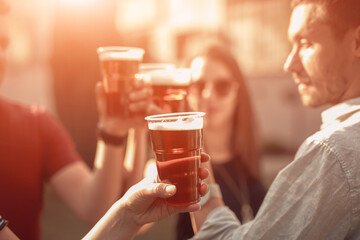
point(222, 86)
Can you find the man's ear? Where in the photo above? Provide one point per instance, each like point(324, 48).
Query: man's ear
point(357, 41)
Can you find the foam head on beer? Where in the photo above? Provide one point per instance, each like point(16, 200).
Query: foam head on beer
point(120, 53)
point(147, 70)
point(149, 67)
point(170, 87)
point(172, 122)
point(171, 77)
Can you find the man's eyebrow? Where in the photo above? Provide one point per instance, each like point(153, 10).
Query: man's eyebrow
point(294, 37)
point(302, 33)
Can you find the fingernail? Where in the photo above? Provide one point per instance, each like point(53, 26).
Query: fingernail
point(170, 190)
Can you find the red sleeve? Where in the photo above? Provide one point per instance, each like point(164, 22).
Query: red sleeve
point(59, 149)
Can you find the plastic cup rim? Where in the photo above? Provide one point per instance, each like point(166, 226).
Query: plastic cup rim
point(173, 116)
point(124, 49)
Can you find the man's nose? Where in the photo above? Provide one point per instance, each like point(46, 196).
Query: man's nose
point(293, 62)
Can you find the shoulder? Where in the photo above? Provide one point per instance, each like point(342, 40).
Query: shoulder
point(335, 149)
point(26, 118)
point(16, 109)
point(342, 139)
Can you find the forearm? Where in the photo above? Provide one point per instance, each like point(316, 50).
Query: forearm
point(136, 156)
point(115, 224)
point(107, 180)
point(7, 234)
point(90, 193)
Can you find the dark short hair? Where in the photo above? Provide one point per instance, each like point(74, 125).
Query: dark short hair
point(340, 14)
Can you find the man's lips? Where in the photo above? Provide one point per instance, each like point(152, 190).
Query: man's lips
point(301, 81)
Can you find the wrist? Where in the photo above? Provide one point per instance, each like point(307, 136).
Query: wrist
point(109, 138)
point(127, 222)
point(3, 223)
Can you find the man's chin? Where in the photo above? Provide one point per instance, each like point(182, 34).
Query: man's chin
point(311, 102)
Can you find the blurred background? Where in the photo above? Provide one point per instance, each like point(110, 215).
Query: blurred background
point(53, 63)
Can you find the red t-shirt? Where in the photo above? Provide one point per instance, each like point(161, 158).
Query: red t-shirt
point(33, 146)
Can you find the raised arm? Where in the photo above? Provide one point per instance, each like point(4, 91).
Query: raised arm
point(7, 234)
point(90, 193)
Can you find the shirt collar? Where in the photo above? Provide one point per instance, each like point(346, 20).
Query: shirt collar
point(340, 112)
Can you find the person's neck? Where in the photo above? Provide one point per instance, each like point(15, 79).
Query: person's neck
point(218, 144)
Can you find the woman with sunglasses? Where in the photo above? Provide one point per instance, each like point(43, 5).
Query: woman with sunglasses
point(218, 89)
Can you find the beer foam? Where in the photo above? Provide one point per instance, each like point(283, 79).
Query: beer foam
point(173, 77)
point(186, 123)
point(149, 67)
point(120, 53)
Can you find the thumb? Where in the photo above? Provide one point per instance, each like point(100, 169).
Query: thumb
point(161, 190)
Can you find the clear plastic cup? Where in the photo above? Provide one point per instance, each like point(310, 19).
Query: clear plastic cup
point(120, 68)
point(177, 140)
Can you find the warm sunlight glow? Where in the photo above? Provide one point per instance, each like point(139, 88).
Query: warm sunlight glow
point(297, 20)
point(130, 151)
point(78, 2)
point(196, 67)
point(150, 169)
point(99, 152)
point(134, 14)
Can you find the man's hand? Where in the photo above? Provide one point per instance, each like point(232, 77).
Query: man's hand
point(142, 203)
point(139, 103)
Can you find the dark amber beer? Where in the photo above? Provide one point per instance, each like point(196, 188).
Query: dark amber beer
point(119, 67)
point(177, 140)
point(170, 86)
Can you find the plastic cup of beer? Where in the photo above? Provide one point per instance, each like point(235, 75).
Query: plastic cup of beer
point(169, 84)
point(177, 140)
point(120, 68)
